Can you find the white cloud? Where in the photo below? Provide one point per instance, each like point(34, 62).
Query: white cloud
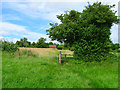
point(1, 37)
point(52, 16)
point(34, 10)
point(9, 39)
point(114, 33)
point(48, 9)
point(59, 0)
point(33, 36)
point(11, 30)
point(45, 10)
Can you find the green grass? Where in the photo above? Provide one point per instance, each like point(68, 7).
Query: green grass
point(0, 70)
point(44, 72)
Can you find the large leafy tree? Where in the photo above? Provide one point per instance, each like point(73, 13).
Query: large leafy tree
point(33, 44)
point(41, 43)
point(89, 30)
point(66, 31)
point(23, 42)
point(75, 25)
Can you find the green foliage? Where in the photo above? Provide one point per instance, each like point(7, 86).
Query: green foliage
point(72, 48)
point(41, 43)
point(88, 30)
point(50, 43)
point(84, 51)
point(65, 32)
point(91, 51)
point(23, 43)
point(0, 45)
point(115, 46)
point(23, 52)
point(66, 46)
point(60, 47)
point(33, 45)
point(9, 46)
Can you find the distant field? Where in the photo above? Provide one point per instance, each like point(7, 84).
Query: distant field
point(46, 51)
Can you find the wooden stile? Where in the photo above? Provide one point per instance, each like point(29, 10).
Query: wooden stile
point(60, 58)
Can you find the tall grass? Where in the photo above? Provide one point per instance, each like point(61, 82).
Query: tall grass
point(0, 69)
point(44, 72)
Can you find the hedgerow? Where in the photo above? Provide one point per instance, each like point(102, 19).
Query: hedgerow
point(8, 46)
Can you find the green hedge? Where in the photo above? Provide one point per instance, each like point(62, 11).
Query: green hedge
point(8, 46)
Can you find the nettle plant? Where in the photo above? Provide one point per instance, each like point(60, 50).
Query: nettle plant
point(88, 31)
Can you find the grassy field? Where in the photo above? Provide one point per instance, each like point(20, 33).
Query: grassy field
point(46, 51)
point(44, 72)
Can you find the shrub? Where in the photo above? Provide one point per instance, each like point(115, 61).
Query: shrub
point(9, 46)
point(72, 48)
point(60, 47)
point(115, 46)
point(118, 50)
point(89, 52)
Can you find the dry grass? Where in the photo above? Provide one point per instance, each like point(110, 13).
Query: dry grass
point(66, 51)
point(46, 51)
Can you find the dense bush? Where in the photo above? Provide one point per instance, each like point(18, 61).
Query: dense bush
point(88, 52)
point(115, 46)
point(60, 47)
point(9, 46)
point(95, 41)
point(72, 48)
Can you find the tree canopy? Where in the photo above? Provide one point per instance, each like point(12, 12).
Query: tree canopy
point(41, 43)
point(95, 19)
point(88, 31)
point(23, 42)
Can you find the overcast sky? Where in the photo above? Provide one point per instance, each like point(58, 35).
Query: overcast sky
point(31, 18)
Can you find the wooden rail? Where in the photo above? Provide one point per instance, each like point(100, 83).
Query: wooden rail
point(65, 58)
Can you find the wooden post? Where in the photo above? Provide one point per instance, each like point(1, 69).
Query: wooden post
point(57, 58)
point(19, 53)
point(60, 57)
point(49, 55)
point(65, 57)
